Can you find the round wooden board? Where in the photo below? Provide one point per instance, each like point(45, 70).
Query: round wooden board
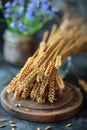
point(67, 105)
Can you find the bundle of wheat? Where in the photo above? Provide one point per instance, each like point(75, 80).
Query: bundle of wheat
point(39, 79)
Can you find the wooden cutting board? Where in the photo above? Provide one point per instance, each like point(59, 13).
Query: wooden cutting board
point(66, 106)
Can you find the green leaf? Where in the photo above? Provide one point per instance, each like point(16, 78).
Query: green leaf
point(2, 20)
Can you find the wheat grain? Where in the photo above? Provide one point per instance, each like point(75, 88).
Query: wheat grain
point(49, 69)
point(16, 93)
point(25, 92)
point(60, 83)
point(29, 78)
point(44, 85)
point(40, 74)
point(34, 90)
point(51, 94)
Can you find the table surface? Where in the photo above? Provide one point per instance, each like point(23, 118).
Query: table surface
point(79, 121)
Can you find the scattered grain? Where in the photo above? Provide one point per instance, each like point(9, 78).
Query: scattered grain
point(3, 119)
point(69, 125)
point(2, 125)
point(27, 110)
point(13, 129)
point(11, 122)
point(13, 125)
point(18, 105)
point(48, 128)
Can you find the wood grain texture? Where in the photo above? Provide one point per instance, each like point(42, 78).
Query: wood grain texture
point(67, 105)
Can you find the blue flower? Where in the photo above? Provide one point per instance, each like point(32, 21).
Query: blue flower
point(21, 1)
point(38, 4)
point(7, 15)
point(13, 25)
point(38, 1)
point(14, 4)
point(21, 10)
point(42, 1)
point(8, 10)
point(31, 6)
point(33, 2)
point(30, 15)
point(16, 15)
point(47, 7)
point(7, 5)
point(22, 27)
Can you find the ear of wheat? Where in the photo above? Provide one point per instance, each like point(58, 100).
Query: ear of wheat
point(51, 94)
point(83, 85)
point(81, 82)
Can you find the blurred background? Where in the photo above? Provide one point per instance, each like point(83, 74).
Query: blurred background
point(73, 7)
point(55, 12)
point(14, 52)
